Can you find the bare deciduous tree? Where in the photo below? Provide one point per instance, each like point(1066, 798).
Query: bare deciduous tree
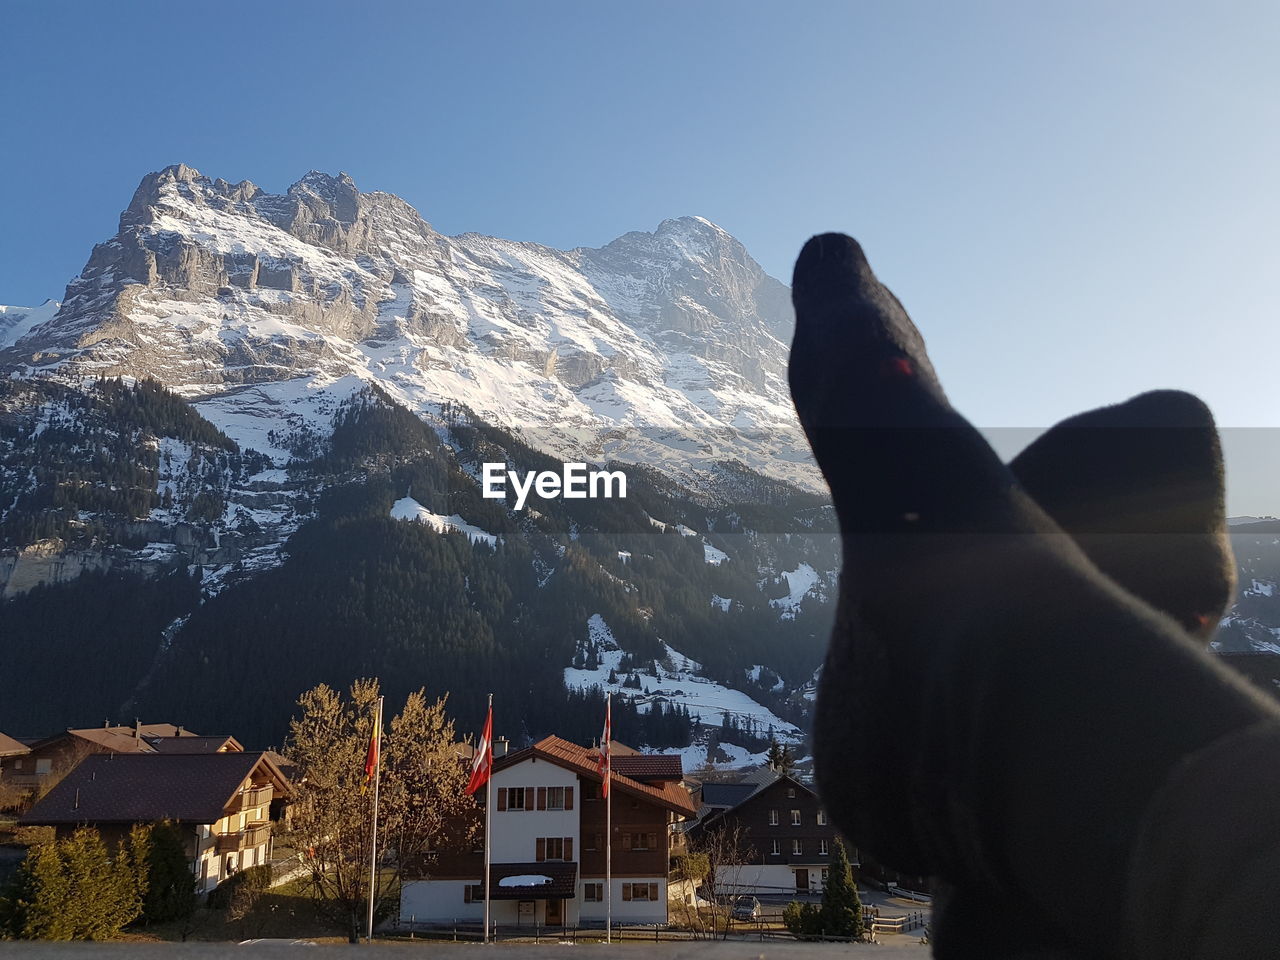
point(421, 795)
point(726, 846)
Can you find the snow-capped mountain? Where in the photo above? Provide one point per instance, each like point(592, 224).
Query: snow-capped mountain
point(665, 348)
point(17, 322)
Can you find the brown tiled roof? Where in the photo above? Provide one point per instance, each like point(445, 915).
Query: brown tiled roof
point(192, 744)
point(649, 766)
point(119, 739)
point(148, 787)
point(10, 747)
point(563, 885)
point(583, 761)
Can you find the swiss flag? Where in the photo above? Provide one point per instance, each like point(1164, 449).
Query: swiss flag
point(482, 765)
point(606, 764)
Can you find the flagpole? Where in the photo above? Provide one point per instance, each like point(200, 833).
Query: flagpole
point(377, 776)
point(608, 823)
point(488, 808)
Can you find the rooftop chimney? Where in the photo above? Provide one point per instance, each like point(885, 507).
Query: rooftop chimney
point(500, 747)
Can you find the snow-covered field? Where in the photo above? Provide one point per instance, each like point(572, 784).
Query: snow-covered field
point(407, 508)
point(677, 682)
point(800, 582)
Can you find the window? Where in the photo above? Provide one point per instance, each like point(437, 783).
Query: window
point(797, 847)
point(825, 871)
point(639, 891)
point(43, 765)
point(791, 793)
point(777, 848)
point(822, 847)
point(553, 848)
point(822, 818)
point(515, 798)
point(773, 818)
point(593, 892)
point(592, 841)
point(795, 818)
point(639, 841)
point(473, 893)
point(555, 798)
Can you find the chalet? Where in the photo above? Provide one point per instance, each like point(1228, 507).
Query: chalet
point(547, 848)
point(10, 751)
point(10, 747)
point(50, 757)
point(221, 800)
point(786, 840)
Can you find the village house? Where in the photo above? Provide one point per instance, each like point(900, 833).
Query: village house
point(9, 748)
point(49, 757)
point(547, 847)
point(220, 800)
point(786, 838)
point(10, 751)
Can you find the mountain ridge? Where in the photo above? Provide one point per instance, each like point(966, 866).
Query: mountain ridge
point(663, 347)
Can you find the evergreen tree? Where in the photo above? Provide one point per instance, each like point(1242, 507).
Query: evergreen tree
point(171, 886)
point(841, 907)
point(73, 889)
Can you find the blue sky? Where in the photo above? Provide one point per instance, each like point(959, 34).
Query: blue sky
point(1075, 201)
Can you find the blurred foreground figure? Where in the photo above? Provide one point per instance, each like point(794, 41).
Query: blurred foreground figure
point(1016, 699)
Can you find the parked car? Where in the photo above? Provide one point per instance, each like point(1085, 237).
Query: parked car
point(746, 908)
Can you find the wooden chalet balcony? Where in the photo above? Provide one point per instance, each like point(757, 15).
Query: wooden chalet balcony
point(251, 836)
point(257, 797)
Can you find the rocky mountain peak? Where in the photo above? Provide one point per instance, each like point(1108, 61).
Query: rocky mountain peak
point(662, 341)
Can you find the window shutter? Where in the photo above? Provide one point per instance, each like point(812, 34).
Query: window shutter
point(502, 798)
point(626, 845)
point(541, 847)
point(529, 793)
point(466, 893)
point(542, 798)
point(599, 841)
point(568, 848)
point(568, 798)
point(653, 891)
point(626, 891)
point(653, 841)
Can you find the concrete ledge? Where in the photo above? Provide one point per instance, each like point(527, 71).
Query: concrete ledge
point(685, 950)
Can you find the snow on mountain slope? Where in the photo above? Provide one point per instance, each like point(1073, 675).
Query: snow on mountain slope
point(800, 583)
point(677, 682)
point(665, 347)
point(407, 508)
point(17, 322)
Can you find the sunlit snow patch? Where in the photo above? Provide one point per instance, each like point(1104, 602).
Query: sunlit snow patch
point(408, 508)
point(524, 880)
point(800, 582)
point(676, 682)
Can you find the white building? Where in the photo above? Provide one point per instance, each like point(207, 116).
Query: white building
point(548, 843)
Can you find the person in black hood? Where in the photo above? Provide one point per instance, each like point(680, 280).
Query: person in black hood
point(1037, 631)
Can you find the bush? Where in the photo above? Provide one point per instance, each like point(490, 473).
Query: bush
point(692, 866)
point(802, 919)
point(252, 880)
point(73, 889)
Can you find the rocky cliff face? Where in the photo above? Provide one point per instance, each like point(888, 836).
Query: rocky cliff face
point(665, 348)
